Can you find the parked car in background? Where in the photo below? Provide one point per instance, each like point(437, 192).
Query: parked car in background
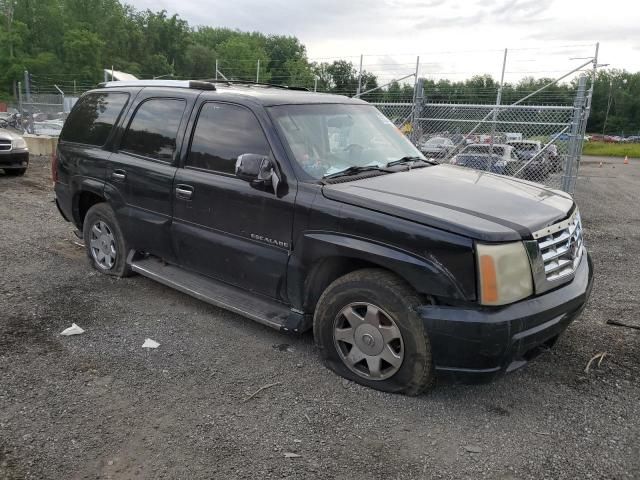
point(499, 158)
point(536, 161)
point(51, 128)
point(554, 158)
point(437, 147)
point(14, 154)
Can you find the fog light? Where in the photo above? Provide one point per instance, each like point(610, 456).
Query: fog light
point(24, 164)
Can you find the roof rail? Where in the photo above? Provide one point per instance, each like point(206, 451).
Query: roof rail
point(259, 84)
point(195, 84)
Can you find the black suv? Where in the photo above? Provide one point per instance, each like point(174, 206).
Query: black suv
point(312, 211)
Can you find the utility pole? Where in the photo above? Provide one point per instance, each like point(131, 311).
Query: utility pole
point(216, 69)
point(495, 110)
point(27, 86)
point(258, 72)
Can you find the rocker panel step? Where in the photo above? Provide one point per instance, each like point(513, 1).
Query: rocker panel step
point(247, 304)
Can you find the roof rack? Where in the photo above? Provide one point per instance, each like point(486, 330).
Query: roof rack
point(195, 84)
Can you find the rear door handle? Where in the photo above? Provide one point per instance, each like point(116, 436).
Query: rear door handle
point(119, 174)
point(184, 192)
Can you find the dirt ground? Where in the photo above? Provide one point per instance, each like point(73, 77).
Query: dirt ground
point(97, 405)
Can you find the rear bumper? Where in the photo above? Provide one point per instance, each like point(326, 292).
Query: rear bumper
point(480, 344)
point(14, 160)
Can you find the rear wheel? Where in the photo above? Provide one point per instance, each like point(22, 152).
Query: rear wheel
point(16, 172)
point(367, 330)
point(105, 244)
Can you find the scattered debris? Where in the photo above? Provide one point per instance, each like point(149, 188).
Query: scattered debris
point(622, 324)
point(283, 347)
point(473, 449)
point(307, 417)
point(600, 355)
point(543, 433)
point(72, 330)
point(148, 343)
point(269, 385)
point(291, 455)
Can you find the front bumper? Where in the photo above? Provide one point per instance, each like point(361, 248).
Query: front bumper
point(480, 344)
point(14, 159)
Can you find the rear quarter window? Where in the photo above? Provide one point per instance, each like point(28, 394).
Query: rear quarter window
point(93, 118)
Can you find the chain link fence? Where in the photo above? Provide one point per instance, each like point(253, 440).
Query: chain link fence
point(539, 143)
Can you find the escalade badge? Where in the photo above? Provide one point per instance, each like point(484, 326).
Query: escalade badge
point(270, 241)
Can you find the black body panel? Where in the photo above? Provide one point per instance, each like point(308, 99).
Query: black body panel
point(284, 243)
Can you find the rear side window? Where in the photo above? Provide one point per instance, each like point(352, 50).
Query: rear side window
point(223, 132)
point(153, 130)
point(93, 118)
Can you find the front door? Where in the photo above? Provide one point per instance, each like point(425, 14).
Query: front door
point(222, 226)
point(140, 173)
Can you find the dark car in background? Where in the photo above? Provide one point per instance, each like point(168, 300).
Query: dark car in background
point(536, 163)
point(307, 211)
point(498, 158)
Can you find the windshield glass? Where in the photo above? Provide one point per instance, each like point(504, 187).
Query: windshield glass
point(483, 150)
point(437, 141)
point(526, 147)
point(329, 138)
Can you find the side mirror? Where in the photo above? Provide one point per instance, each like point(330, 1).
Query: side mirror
point(258, 170)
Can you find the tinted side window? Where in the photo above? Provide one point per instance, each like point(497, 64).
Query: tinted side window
point(154, 128)
point(93, 118)
point(222, 133)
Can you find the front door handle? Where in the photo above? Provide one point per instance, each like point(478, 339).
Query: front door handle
point(119, 174)
point(184, 192)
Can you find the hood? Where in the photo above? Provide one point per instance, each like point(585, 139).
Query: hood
point(476, 204)
point(7, 135)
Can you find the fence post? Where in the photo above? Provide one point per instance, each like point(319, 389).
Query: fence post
point(27, 86)
point(20, 98)
point(417, 103)
point(495, 111)
point(575, 138)
point(359, 76)
point(216, 69)
point(258, 72)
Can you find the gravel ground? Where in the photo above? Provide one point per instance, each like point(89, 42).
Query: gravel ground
point(99, 406)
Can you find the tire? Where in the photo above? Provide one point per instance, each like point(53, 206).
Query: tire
point(106, 240)
point(363, 292)
point(16, 172)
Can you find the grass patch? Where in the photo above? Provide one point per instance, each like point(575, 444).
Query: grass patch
point(603, 149)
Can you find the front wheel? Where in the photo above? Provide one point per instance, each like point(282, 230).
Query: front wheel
point(105, 244)
point(368, 331)
point(16, 172)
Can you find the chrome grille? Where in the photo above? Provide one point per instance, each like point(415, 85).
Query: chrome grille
point(561, 248)
point(5, 145)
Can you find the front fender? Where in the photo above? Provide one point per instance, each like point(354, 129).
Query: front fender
point(426, 275)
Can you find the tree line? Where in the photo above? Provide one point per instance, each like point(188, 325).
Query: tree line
point(77, 39)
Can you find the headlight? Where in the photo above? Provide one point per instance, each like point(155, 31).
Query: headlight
point(504, 273)
point(19, 143)
point(454, 160)
point(500, 163)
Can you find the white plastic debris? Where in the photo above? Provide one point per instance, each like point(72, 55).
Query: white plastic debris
point(291, 455)
point(148, 343)
point(72, 330)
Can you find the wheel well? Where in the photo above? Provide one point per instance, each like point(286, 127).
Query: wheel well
point(85, 201)
point(325, 272)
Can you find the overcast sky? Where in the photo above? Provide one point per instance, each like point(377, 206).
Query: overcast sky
point(455, 39)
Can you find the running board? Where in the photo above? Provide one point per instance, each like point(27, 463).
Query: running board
point(253, 306)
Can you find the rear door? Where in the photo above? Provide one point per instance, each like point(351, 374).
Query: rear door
point(139, 177)
point(224, 227)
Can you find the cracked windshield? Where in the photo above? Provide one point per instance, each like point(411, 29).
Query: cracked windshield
point(327, 139)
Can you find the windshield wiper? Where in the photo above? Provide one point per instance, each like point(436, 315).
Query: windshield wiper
point(410, 160)
point(354, 170)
